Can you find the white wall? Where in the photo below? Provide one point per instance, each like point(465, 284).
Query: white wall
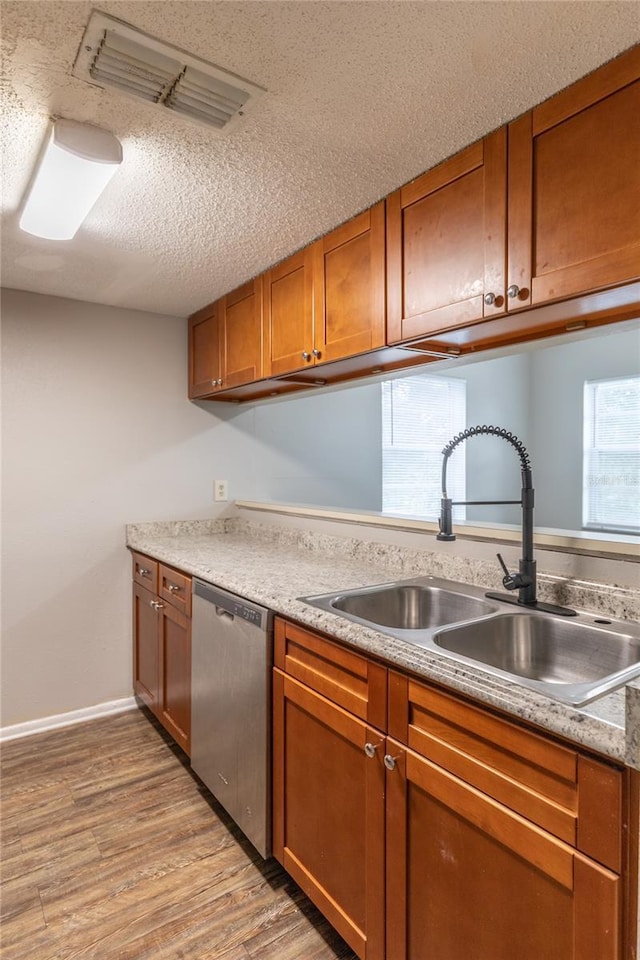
point(97, 432)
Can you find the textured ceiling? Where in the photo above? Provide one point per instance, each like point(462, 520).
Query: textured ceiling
point(362, 96)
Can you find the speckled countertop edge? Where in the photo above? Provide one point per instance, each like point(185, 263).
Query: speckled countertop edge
point(274, 566)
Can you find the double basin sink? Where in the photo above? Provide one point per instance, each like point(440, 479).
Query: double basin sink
point(573, 660)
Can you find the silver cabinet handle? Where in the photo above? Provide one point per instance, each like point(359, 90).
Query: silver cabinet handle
point(173, 588)
point(144, 572)
point(158, 605)
point(390, 762)
point(152, 603)
point(214, 383)
point(219, 381)
point(513, 291)
point(370, 749)
point(317, 354)
point(489, 299)
point(305, 355)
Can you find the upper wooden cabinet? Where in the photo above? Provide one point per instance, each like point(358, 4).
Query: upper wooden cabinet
point(288, 312)
point(241, 322)
point(225, 342)
point(546, 212)
point(349, 287)
point(328, 301)
point(205, 352)
point(574, 188)
point(446, 243)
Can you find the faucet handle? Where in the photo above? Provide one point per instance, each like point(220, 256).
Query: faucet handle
point(509, 581)
point(513, 581)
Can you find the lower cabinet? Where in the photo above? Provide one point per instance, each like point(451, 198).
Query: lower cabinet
point(426, 828)
point(162, 645)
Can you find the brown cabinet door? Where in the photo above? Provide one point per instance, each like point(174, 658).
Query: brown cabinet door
point(349, 287)
point(146, 657)
point(242, 334)
point(175, 674)
point(288, 307)
point(477, 880)
point(329, 811)
point(574, 188)
point(446, 243)
point(205, 352)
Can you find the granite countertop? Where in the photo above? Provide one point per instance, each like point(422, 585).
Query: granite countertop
point(274, 566)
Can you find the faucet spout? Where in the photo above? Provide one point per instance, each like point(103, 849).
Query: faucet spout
point(525, 580)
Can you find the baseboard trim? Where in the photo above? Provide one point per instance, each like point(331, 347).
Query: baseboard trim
point(27, 729)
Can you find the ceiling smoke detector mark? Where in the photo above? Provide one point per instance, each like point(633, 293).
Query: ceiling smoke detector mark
point(115, 54)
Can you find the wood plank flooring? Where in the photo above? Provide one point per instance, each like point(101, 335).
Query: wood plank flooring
point(113, 850)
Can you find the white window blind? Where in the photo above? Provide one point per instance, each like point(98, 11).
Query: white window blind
point(420, 414)
point(611, 457)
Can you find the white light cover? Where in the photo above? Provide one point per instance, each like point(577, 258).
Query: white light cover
point(78, 163)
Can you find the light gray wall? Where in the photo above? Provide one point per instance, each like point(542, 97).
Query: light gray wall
point(97, 432)
point(558, 376)
point(498, 394)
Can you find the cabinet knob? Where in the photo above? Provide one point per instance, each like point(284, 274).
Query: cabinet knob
point(390, 762)
point(219, 382)
point(513, 291)
point(489, 299)
point(173, 588)
point(143, 571)
point(370, 749)
point(214, 383)
point(158, 605)
point(317, 354)
point(305, 355)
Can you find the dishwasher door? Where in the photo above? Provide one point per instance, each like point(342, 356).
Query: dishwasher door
point(232, 655)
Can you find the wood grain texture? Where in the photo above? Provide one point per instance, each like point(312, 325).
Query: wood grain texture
point(113, 849)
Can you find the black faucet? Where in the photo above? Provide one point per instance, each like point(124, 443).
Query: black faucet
point(525, 580)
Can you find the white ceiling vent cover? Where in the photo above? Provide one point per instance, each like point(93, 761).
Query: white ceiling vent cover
point(115, 54)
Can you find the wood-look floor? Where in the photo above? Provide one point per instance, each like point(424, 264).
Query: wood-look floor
point(113, 850)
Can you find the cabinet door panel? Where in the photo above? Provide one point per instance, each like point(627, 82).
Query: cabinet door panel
point(329, 812)
point(288, 304)
point(349, 284)
point(446, 243)
point(205, 352)
point(146, 659)
point(242, 326)
point(477, 880)
point(574, 188)
point(175, 645)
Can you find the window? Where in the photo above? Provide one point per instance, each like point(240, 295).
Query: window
point(611, 455)
point(420, 414)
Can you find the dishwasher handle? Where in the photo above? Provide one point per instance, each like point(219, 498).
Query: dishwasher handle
point(222, 613)
point(232, 605)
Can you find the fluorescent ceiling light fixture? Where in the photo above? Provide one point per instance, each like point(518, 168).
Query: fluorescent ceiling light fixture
point(78, 163)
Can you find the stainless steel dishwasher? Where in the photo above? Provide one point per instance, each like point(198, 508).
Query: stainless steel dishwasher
point(231, 659)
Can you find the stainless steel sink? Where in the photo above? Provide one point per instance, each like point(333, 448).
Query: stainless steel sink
point(422, 604)
point(572, 661)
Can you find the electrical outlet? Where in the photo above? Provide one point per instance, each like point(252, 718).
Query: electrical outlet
point(220, 490)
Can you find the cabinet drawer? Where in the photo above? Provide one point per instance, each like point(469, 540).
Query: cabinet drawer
point(342, 676)
point(175, 588)
point(145, 571)
point(574, 797)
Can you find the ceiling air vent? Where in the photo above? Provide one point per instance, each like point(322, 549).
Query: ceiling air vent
point(115, 54)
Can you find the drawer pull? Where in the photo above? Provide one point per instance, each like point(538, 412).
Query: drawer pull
point(144, 572)
point(173, 588)
point(370, 749)
point(390, 762)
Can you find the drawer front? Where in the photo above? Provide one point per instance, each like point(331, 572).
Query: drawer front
point(175, 588)
point(145, 571)
point(576, 798)
point(342, 676)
